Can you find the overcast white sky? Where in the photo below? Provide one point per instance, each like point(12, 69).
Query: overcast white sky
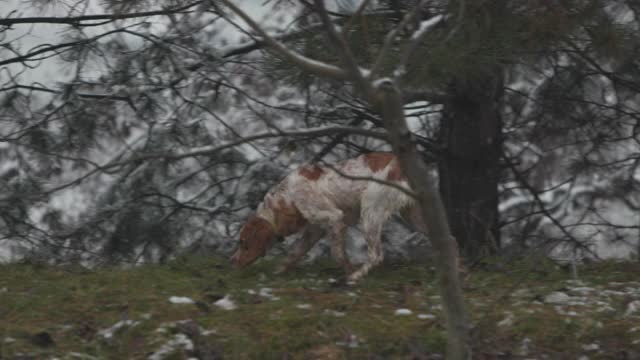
point(53, 70)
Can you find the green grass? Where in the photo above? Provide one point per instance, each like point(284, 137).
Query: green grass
point(312, 317)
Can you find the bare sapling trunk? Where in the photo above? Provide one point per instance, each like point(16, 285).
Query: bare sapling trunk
point(387, 97)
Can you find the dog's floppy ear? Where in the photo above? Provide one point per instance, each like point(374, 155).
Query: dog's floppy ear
point(256, 237)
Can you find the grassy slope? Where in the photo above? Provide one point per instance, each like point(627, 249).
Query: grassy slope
point(72, 307)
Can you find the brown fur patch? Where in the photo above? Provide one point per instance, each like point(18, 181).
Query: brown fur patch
point(377, 160)
point(256, 237)
point(288, 218)
point(395, 174)
point(311, 172)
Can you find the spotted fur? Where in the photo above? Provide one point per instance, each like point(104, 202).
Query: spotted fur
point(320, 200)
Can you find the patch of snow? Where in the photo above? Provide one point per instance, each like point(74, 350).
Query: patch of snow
point(524, 348)
point(612, 293)
point(208, 332)
point(173, 343)
point(304, 306)
point(590, 347)
point(80, 355)
point(557, 297)
point(605, 308)
point(108, 332)
point(267, 293)
point(146, 316)
point(575, 282)
point(403, 312)
point(582, 290)
point(334, 313)
point(352, 342)
point(225, 303)
point(508, 320)
point(181, 300)
point(634, 329)
point(8, 340)
point(632, 308)
point(577, 302)
point(426, 316)
point(521, 292)
point(426, 25)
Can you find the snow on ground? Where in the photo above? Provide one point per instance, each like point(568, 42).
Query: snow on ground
point(178, 340)
point(181, 300)
point(403, 312)
point(226, 303)
point(109, 332)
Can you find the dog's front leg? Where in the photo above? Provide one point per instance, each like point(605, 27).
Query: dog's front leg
point(311, 235)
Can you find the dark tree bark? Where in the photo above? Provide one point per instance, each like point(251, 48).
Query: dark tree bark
point(471, 134)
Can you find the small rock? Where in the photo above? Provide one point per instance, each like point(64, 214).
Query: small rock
point(42, 339)
point(304, 306)
point(557, 297)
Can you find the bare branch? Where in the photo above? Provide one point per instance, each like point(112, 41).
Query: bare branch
point(47, 90)
point(416, 39)
point(344, 50)
point(78, 20)
point(388, 40)
point(52, 48)
point(405, 190)
point(307, 64)
point(209, 150)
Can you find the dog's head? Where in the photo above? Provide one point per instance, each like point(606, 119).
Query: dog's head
point(256, 237)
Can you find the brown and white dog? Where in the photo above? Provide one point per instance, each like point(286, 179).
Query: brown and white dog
point(319, 200)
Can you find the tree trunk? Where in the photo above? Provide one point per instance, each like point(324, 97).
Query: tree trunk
point(471, 133)
point(434, 216)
